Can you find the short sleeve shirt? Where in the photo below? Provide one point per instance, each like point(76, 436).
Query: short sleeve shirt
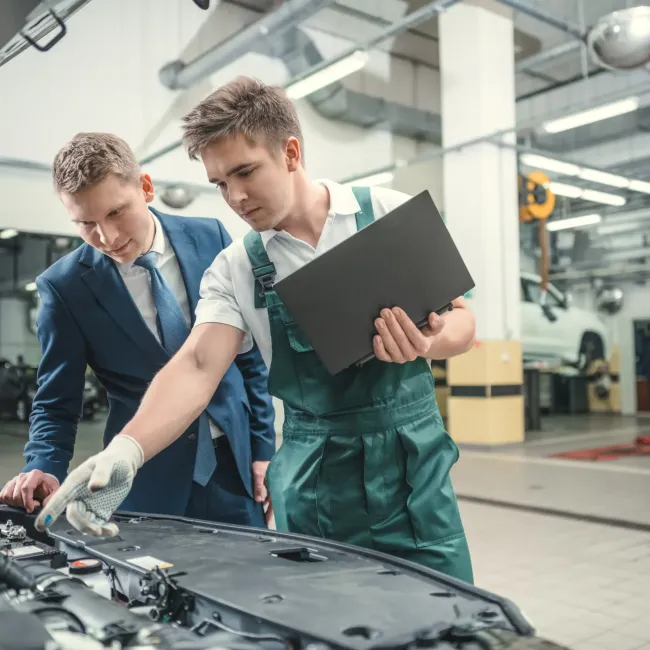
point(227, 288)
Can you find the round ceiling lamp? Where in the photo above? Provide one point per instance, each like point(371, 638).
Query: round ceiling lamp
point(176, 196)
point(621, 40)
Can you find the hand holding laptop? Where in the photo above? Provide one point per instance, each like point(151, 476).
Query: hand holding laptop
point(399, 339)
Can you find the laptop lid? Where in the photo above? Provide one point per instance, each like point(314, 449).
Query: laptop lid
point(405, 259)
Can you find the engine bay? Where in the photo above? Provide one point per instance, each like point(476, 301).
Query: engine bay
point(174, 583)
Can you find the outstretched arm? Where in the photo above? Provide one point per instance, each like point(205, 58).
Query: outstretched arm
point(177, 396)
point(182, 389)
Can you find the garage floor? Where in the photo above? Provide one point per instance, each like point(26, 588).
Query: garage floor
point(568, 541)
point(528, 475)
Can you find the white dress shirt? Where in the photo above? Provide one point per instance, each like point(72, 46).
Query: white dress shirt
point(227, 286)
point(138, 283)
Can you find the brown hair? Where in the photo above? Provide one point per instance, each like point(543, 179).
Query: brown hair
point(244, 106)
point(89, 158)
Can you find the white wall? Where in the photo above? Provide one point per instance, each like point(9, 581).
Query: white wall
point(15, 336)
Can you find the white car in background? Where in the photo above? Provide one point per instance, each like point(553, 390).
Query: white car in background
point(558, 330)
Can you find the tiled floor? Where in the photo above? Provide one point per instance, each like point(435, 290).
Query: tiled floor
point(584, 585)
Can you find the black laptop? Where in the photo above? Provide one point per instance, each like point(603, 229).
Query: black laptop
point(405, 259)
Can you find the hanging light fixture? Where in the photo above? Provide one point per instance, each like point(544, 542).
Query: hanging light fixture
point(621, 40)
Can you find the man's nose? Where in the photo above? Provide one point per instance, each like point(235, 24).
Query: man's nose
point(108, 235)
point(236, 196)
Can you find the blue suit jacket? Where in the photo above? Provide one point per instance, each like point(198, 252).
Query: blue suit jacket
point(88, 318)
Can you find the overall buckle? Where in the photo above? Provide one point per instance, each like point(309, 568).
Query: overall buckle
point(265, 275)
point(267, 282)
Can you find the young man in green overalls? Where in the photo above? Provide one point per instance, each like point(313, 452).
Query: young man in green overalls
point(365, 457)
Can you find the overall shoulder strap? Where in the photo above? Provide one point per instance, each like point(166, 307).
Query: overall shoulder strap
point(263, 269)
point(366, 214)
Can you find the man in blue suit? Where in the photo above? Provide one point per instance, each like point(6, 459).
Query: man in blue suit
point(123, 303)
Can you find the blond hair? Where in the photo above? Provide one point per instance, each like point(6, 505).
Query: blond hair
point(263, 114)
point(89, 158)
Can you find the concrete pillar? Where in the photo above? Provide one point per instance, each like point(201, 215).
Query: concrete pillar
point(481, 210)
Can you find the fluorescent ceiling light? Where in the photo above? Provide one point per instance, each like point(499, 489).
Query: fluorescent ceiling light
point(586, 173)
point(374, 179)
point(573, 192)
point(550, 164)
point(603, 197)
point(327, 75)
point(573, 222)
point(605, 178)
point(31, 286)
point(561, 189)
point(640, 186)
point(8, 233)
point(591, 115)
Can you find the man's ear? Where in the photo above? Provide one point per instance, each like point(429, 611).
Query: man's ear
point(146, 184)
point(293, 154)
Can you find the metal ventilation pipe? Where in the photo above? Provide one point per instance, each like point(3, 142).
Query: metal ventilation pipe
point(548, 55)
point(563, 25)
point(178, 75)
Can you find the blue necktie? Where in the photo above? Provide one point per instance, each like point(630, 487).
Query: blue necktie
point(173, 332)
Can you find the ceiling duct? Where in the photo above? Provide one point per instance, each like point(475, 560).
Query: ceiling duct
point(179, 75)
point(336, 102)
point(299, 53)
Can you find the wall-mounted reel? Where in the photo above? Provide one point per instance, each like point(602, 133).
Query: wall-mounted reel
point(536, 201)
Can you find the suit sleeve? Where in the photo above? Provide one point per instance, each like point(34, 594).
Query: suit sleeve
point(255, 374)
point(262, 420)
point(58, 402)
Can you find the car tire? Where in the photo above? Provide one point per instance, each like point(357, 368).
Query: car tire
point(592, 348)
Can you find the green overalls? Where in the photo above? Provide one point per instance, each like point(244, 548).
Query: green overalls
point(365, 457)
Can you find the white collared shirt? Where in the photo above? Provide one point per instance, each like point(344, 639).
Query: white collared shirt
point(138, 283)
point(227, 294)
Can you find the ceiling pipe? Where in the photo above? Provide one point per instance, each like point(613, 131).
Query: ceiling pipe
point(398, 27)
point(178, 75)
point(563, 25)
point(548, 55)
point(414, 18)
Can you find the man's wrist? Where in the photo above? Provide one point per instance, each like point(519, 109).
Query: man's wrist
point(123, 443)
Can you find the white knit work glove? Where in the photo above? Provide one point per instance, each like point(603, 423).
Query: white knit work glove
point(94, 490)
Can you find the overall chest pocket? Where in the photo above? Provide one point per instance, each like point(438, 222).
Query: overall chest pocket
point(297, 338)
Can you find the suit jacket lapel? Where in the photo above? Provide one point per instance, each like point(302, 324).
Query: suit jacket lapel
point(187, 254)
point(102, 277)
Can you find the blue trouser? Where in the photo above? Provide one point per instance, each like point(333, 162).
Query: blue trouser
point(224, 499)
